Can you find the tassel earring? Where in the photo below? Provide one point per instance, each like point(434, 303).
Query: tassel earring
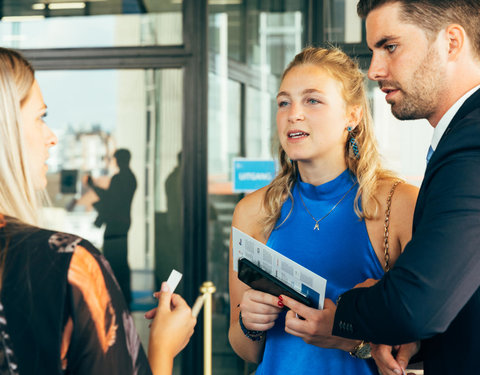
point(353, 143)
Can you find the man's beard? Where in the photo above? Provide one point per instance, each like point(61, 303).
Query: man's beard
point(421, 95)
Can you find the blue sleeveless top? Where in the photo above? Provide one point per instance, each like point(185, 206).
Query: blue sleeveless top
point(339, 251)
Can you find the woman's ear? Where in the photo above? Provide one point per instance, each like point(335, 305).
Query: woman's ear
point(355, 115)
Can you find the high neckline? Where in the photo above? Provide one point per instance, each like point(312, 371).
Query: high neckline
point(329, 190)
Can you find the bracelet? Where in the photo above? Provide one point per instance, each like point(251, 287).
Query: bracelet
point(252, 335)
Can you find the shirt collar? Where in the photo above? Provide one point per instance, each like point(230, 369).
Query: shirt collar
point(448, 117)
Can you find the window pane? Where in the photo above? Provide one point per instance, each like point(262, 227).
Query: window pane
point(95, 114)
point(342, 23)
point(94, 23)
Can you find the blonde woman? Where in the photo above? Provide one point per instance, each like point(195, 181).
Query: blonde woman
point(325, 210)
point(61, 310)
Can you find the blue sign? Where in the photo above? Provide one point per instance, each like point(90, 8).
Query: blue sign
point(250, 175)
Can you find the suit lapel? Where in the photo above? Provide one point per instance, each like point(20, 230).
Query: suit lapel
point(472, 103)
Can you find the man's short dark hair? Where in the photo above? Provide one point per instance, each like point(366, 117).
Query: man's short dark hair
point(123, 157)
point(434, 15)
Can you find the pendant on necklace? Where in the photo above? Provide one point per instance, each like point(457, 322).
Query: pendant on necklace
point(316, 227)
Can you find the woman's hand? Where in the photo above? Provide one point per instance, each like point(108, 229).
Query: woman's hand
point(259, 310)
point(170, 332)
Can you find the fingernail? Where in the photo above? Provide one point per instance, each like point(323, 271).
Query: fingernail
point(155, 295)
point(165, 287)
point(280, 298)
point(402, 363)
point(397, 371)
point(280, 303)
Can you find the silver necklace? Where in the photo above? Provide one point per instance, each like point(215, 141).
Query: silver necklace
point(316, 227)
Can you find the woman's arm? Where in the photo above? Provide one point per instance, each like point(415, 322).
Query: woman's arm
point(259, 310)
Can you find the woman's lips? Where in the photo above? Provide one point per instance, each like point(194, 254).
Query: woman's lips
point(297, 134)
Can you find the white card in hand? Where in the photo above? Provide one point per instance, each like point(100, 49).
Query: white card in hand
point(173, 280)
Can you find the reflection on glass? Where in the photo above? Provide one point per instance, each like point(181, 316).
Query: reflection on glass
point(342, 23)
point(97, 116)
point(260, 125)
point(224, 131)
point(245, 31)
point(93, 114)
point(106, 23)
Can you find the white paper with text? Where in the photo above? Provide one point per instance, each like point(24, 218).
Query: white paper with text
point(291, 273)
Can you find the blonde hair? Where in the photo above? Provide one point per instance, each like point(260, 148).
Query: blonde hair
point(367, 168)
point(17, 190)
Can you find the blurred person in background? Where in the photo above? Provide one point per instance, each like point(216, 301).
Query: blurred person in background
point(114, 210)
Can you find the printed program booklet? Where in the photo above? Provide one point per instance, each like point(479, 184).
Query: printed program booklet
point(286, 270)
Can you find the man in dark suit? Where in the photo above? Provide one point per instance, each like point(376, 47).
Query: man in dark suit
point(114, 210)
point(426, 58)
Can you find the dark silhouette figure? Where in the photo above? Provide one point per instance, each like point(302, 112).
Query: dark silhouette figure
point(114, 210)
point(169, 227)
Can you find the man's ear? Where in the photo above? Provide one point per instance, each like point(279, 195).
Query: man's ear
point(456, 38)
point(355, 115)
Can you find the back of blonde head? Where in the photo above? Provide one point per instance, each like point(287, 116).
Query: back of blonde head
point(367, 168)
point(17, 193)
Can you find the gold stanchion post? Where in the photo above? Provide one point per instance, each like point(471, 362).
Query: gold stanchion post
point(207, 289)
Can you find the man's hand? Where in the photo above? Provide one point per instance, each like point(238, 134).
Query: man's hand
point(393, 361)
point(314, 326)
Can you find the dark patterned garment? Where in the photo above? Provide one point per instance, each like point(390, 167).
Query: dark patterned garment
point(61, 309)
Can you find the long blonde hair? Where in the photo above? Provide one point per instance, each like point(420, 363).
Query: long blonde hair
point(17, 190)
point(367, 168)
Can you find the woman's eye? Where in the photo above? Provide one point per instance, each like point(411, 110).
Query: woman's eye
point(391, 47)
point(282, 103)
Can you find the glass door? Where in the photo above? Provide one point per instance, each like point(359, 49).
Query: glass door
point(119, 151)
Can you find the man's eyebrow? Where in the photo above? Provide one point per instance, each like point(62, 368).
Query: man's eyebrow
point(282, 93)
point(384, 40)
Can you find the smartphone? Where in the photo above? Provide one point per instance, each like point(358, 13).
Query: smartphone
point(258, 279)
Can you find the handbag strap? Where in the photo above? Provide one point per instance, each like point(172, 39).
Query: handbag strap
point(387, 223)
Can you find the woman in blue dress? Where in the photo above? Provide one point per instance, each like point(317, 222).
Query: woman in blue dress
point(326, 210)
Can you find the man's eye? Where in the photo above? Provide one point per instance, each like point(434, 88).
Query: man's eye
point(312, 101)
point(391, 47)
point(283, 103)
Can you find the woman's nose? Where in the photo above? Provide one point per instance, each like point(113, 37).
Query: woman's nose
point(296, 113)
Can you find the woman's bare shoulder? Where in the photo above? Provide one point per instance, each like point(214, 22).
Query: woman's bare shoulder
point(402, 207)
point(404, 196)
point(249, 213)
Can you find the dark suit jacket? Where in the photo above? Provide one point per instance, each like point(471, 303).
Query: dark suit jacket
point(432, 294)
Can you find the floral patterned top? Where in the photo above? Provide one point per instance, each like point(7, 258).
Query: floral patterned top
point(61, 309)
